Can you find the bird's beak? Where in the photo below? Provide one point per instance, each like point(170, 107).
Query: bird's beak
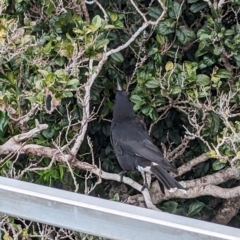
point(119, 87)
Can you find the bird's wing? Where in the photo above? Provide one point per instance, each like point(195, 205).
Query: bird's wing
point(134, 140)
point(115, 144)
point(147, 150)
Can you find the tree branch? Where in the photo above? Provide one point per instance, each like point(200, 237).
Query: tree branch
point(228, 210)
point(189, 165)
point(209, 190)
point(13, 143)
point(215, 178)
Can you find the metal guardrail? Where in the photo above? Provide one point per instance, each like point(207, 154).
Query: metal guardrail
point(102, 217)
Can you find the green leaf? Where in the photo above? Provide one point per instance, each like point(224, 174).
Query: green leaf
point(43, 72)
point(48, 48)
point(136, 107)
point(180, 36)
point(166, 27)
point(92, 28)
point(169, 206)
point(229, 43)
point(164, 93)
point(152, 51)
point(152, 84)
point(188, 65)
point(118, 24)
point(102, 43)
point(50, 8)
point(169, 66)
point(175, 10)
point(229, 32)
point(223, 73)
point(48, 133)
point(218, 50)
point(60, 73)
point(116, 197)
point(208, 60)
point(185, 35)
point(202, 49)
point(157, 58)
point(97, 21)
point(40, 97)
point(192, 1)
point(59, 61)
point(217, 165)
point(146, 109)
point(118, 57)
point(204, 36)
point(39, 84)
point(237, 58)
point(73, 81)
point(55, 174)
point(113, 16)
point(32, 99)
point(7, 237)
point(195, 208)
point(202, 80)
point(160, 39)
point(197, 7)
point(136, 99)
point(50, 78)
point(153, 114)
point(176, 90)
point(108, 26)
point(67, 94)
point(154, 12)
point(3, 120)
point(61, 171)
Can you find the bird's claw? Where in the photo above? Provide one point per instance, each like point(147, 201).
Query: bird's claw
point(145, 185)
point(121, 176)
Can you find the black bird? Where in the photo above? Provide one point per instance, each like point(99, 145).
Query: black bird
point(133, 146)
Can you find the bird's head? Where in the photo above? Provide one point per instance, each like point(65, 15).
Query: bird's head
point(123, 108)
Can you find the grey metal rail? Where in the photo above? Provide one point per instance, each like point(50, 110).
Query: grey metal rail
point(102, 217)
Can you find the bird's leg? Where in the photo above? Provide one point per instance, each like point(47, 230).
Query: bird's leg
point(147, 180)
point(145, 185)
point(121, 175)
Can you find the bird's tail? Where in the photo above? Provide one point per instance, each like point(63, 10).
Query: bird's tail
point(163, 176)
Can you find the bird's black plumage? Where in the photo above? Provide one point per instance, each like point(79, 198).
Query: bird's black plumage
point(133, 146)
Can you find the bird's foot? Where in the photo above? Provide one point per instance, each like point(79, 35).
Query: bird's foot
point(145, 185)
point(121, 176)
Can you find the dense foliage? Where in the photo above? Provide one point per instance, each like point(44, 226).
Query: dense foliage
point(182, 75)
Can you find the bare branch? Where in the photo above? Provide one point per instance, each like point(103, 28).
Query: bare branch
point(209, 190)
point(189, 165)
point(228, 210)
point(208, 2)
point(8, 146)
point(86, 103)
point(214, 179)
point(137, 9)
point(102, 9)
